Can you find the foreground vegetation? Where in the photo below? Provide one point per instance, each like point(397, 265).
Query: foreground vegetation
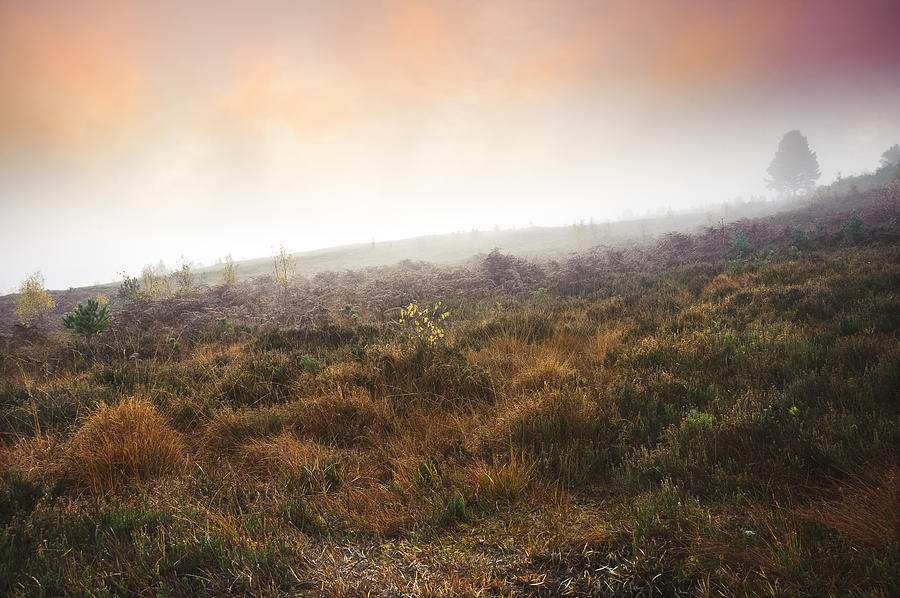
point(715, 415)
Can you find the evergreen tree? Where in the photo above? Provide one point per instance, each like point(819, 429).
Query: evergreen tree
point(794, 168)
point(89, 319)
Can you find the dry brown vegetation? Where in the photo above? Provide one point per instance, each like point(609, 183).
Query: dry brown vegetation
point(666, 420)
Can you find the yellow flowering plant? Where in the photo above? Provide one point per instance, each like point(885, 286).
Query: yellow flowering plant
point(425, 323)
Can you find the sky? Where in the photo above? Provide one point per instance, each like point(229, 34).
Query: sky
point(137, 131)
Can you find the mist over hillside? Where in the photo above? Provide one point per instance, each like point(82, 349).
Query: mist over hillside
point(558, 245)
point(450, 298)
point(167, 130)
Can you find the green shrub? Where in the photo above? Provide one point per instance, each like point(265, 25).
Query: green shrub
point(310, 365)
point(89, 319)
point(800, 238)
point(740, 242)
point(184, 276)
point(18, 495)
point(852, 227)
point(225, 325)
point(130, 288)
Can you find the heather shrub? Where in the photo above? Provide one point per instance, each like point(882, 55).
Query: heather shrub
point(18, 495)
point(512, 274)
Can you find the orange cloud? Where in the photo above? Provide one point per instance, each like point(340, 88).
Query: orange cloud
point(706, 47)
point(66, 80)
point(75, 77)
point(417, 33)
point(264, 90)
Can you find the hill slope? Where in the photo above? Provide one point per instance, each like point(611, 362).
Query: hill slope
point(672, 418)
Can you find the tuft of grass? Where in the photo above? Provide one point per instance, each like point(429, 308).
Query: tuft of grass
point(128, 441)
point(300, 513)
point(502, 481)
point(303, 466)
point(378, 511)
point(345, 420)
point(453, 509)
point(568, 435)
point(229, 429)
point(545, 372)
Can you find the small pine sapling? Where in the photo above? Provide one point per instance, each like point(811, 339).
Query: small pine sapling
point(90, 319)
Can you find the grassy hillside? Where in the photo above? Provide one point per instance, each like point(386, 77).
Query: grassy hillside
point(675, 418)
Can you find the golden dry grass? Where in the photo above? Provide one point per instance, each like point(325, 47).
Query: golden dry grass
point(726, 283)
point(229, 428)
point(128, 441)
point(606, 343)
point(502, 480)
point(314, 467)
point(545, 372)
point(350, 418)
point(527, 366)
point(377, 510)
